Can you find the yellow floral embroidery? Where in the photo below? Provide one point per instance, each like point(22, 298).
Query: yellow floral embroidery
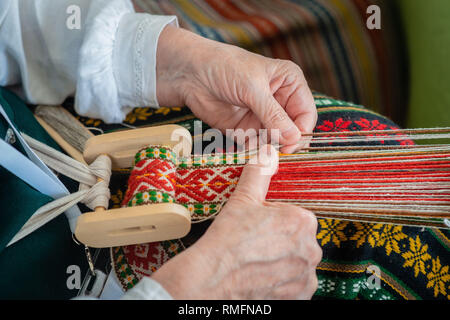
point(138, 114)
point(417, 256)
point(438, 277)
point(117, 199)
point(332, 230)
point(91, 122)
point(389, 238)
point(165, 110)
point(366, 232)
point(144, 113)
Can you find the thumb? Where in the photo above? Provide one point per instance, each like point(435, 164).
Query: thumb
point(255, 178)
point(274, 117)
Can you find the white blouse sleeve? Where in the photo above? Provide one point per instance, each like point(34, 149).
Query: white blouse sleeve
point(147, 289)
point(108, 62)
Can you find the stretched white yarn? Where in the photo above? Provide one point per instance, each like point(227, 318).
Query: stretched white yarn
point(93, 192)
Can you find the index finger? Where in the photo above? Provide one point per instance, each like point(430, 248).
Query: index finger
point(301, 108)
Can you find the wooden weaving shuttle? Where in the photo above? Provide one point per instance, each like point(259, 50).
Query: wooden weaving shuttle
point(140, 224)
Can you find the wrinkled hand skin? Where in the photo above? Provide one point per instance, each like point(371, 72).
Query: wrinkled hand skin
point(231, 88)
point(253, 250)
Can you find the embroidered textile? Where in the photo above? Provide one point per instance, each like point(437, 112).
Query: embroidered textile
point(413, 263)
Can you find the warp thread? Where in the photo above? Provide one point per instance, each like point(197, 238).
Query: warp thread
point(68, 127)
point(93, 193)
point(407, 189)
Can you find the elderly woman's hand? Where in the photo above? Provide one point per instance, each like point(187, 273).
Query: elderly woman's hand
point(231, 88)
point(253, 250)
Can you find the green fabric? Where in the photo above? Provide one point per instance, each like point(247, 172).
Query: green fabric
point(427, 28)
point(11, 186)
point(35, 267)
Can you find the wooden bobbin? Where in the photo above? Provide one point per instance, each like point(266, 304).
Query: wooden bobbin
point(132, 225)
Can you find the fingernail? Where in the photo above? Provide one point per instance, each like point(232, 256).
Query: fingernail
point(291, 133)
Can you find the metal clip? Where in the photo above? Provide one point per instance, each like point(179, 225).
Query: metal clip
point(10, 136)
point(87, 253)
point(89, 260)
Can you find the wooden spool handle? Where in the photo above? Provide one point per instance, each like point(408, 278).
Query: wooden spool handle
point(121, 146)
point(99, 208)
point(132, 225)
point(74, 153)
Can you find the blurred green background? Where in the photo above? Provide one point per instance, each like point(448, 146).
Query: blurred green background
point(426, 25)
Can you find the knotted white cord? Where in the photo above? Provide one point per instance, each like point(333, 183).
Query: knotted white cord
point(92, 193)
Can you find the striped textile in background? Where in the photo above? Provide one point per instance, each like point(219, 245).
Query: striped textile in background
point(329, 39)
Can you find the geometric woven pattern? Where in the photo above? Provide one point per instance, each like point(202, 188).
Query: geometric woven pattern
point(413, 262)
point(342, 58)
